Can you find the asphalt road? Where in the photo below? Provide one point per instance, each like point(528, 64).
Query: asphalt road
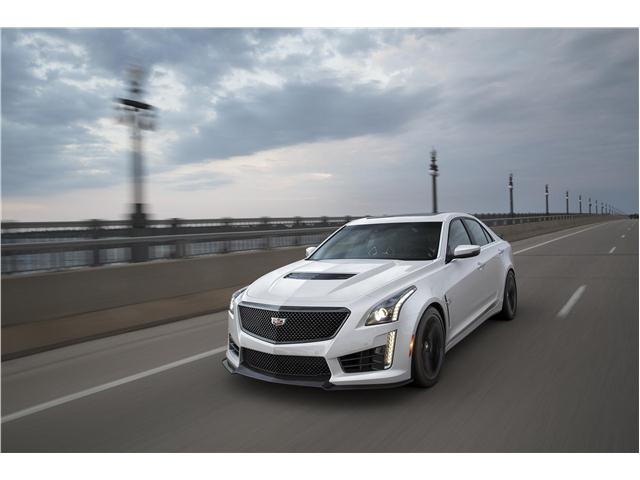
point(563, 376)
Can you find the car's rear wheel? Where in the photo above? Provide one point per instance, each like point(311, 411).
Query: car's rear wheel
point(428, 349)
point(510, 299)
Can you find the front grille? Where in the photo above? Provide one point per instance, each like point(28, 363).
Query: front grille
point(300, 324)
point(286, 365)
point(364, 361)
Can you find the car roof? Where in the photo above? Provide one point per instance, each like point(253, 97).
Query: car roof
point(436, 217)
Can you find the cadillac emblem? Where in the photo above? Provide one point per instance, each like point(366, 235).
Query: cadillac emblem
point(278, 322)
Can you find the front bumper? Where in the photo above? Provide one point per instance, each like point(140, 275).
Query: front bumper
point(324, 384)
point(351, 338)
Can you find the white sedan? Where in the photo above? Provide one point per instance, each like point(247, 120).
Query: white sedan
point(378, 303)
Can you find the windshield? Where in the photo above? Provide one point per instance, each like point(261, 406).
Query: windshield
point(391, 241)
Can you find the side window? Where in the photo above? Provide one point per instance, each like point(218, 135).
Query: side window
point(476, 232)
point(488, 235)
point(457, 236)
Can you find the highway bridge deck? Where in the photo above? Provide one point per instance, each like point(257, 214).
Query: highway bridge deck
point(563, 376)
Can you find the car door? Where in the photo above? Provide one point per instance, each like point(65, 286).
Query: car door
point(488, 262)
point(465, 294)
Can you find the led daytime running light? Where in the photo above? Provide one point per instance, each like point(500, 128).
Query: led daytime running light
point(390, 347)
point(396, 310)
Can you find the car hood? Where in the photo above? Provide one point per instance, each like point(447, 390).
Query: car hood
point(325, 289)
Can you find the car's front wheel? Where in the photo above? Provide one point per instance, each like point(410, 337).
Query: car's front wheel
point(428, 349)
point(510, 299)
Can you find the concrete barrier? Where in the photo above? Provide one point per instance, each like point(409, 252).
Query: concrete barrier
point(37, 297)
point(40, 311)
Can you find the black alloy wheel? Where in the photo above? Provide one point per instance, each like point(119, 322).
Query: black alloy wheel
point(510, 300)
point(428, 349)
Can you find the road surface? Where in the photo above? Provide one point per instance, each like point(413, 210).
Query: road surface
point(563, 376)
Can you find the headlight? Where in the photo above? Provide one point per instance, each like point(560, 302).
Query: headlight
point(234, 297)
point(389, 310)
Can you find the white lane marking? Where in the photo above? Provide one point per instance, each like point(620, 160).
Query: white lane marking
point(612, 250)
point(564, 311)
point(105, 386)
point(556, 239)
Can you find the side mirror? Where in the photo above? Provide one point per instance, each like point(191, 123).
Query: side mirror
point(466, 251)
point(309, 251)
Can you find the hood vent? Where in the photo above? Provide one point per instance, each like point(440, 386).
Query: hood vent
point(319, 276)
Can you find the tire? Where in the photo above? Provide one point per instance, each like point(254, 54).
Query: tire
point(428, 349)
point(510, 297)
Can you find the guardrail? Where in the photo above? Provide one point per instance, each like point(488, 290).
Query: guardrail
point(58, 255)
point(20, 231)
point(39, 256)
point(172, 222)
point(13, 231)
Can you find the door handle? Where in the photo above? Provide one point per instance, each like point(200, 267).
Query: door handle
point(480, 265)
point(501, 251)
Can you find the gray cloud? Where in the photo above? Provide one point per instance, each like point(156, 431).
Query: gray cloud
point(200, 181)
point(301, 114)
point(43, 115)
point(554, 106)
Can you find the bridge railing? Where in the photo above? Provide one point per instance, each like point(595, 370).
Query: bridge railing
point(52, 254)
point(16, 231)
point(13, 231)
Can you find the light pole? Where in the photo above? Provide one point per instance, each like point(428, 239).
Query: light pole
point(596, 207)
point(580, 204)
point(566, 198)
point(140, 116)
point(511, 194)
point(433, 171)
point(546, 198)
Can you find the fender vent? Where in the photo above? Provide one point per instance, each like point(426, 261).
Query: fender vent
point(319, 276)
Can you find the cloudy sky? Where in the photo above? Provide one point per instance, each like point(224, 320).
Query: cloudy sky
point(319, 122)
